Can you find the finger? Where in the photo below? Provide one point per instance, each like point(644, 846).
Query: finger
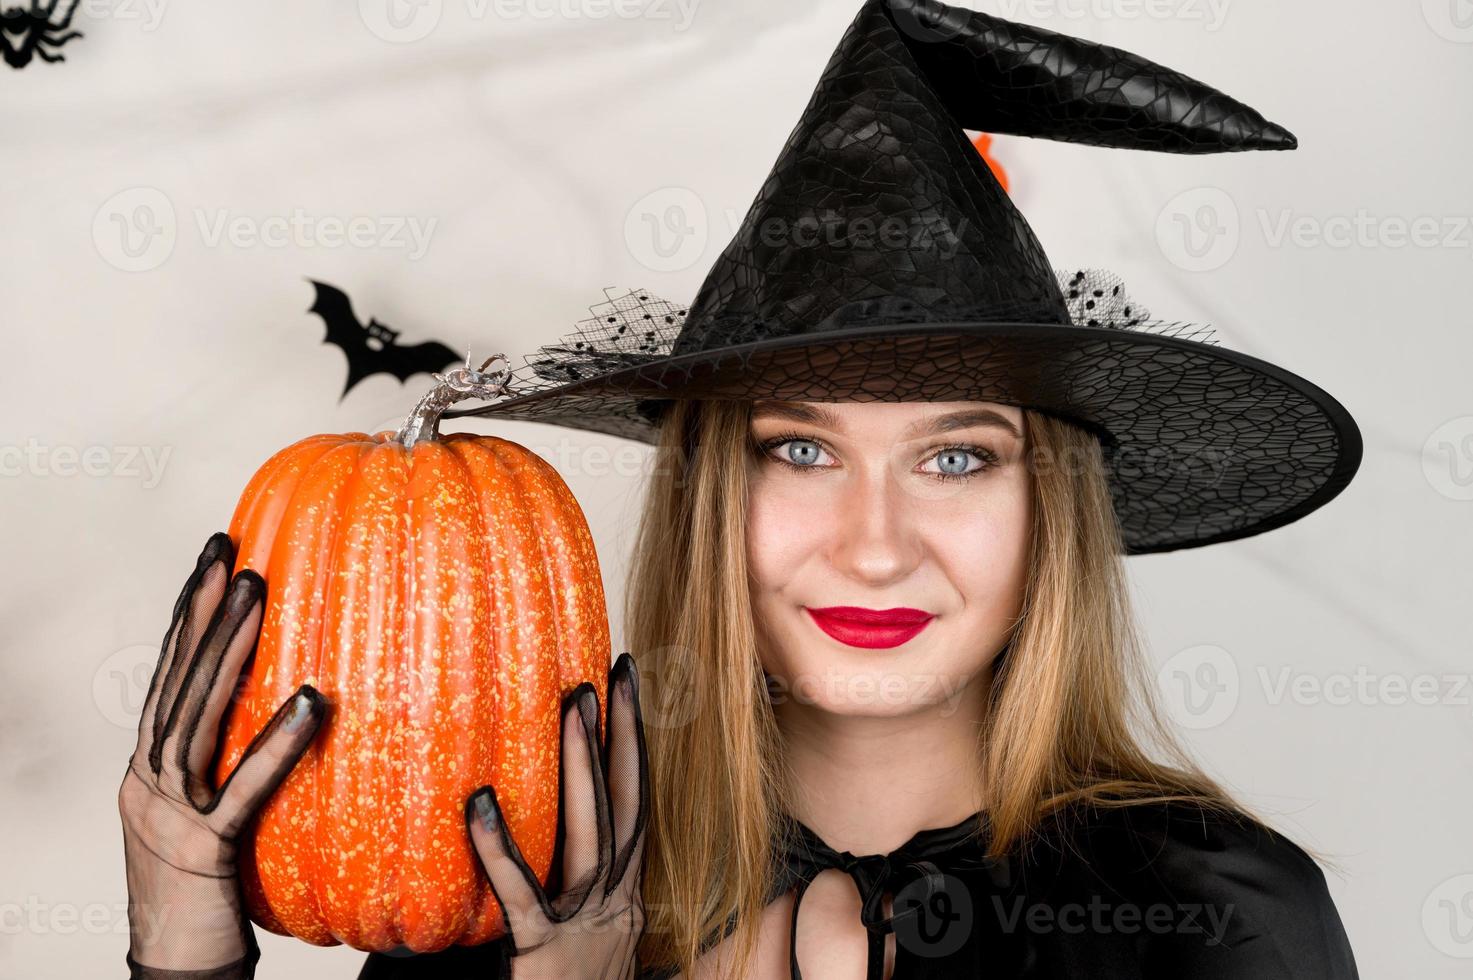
point(194, 602)
point(524, 906)
point(587, 826)
point(628, 761)
point(267, 761)
point(190, 736)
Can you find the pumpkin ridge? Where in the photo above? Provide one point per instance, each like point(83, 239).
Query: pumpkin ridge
point(536, 682)
point(351, 621)
point(322, 814)
point(312, 503)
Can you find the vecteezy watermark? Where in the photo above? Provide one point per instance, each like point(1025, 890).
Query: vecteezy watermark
point(148, 13)
point(1447, 916)
point(1362, 229)
point(407, 21)
point(575, 457)
point(1102, 916)
point(1200, 229)
point(1210, 13)
point(120, 684)
point(667, 230)
point(1202, 686)
point(35, 916)
point(836, 230)
point(1447, 458)
point(933, 915)
point(1197, 230)
point(867, 688)
point(136, 229)
point(1450, 19)
point(1363, 686)
point(123, 462)
point(1199, 686)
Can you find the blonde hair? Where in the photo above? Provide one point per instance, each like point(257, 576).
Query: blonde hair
point(1070, 707)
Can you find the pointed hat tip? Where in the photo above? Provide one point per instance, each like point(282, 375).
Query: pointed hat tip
point(1276, 137)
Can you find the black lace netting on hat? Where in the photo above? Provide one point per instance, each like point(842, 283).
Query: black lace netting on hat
point(1202, 443)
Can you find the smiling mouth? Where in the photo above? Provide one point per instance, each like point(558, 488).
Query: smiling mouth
point(870, 628)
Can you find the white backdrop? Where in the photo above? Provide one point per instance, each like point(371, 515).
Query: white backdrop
point(528, 142)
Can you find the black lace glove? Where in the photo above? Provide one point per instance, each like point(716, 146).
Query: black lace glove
point(185, 908)
point(590, 931)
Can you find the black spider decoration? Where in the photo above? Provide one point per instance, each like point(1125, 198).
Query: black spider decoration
point(30, 31)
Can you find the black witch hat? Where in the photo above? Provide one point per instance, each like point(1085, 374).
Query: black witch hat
point(881, 260)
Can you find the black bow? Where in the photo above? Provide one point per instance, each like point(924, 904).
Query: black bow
point(922, 858)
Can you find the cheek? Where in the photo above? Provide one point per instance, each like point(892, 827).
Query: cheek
point(982, 540)
point(781, 530)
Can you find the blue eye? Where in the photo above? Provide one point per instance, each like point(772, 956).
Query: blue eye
point(954, 456)
point(801, 452)
point(806, 450)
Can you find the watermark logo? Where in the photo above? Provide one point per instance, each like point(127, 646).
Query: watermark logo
point(1447, 917)
point(143, 463)
point(667, 701)
point(120, 685)
point(1447, 458)
point(400, 21)
point(1209, 13)
point(36, 916)
point(933, 915)
point(1451, 20)
point(1101, 916)
point(407, 21)
point(147, 13)
point(135, 230)
point(1198, 229)
point(1361, 686)
point(666, 230)
point(1200, 686)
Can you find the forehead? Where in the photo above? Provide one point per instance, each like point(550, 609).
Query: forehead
point(910, 417)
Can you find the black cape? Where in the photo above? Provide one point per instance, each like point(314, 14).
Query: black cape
point(1152, 890)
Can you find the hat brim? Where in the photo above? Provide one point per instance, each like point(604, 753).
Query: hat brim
point(1203, 444)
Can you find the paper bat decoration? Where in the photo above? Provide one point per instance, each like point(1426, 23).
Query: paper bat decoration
point(372, 349)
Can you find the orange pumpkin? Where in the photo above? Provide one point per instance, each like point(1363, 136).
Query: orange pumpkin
point(444, 594)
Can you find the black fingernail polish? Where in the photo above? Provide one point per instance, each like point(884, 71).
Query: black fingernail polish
point(588, 707)
point(299, 712)
point(486, 809)
point(214, 548)
point(243, 593)
point(631, 682)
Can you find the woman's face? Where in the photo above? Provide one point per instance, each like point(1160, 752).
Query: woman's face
point(885, 506)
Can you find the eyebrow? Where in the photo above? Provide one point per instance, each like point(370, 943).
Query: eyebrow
point(932, 425)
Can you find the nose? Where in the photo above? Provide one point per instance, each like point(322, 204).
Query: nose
point(874, 536)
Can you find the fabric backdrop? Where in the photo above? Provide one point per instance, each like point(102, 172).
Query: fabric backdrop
point(169, 188)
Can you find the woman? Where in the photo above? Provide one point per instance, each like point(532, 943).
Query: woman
point(1006, 715)
point(884, 397)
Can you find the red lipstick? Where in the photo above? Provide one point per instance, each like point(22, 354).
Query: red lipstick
point(870, 628)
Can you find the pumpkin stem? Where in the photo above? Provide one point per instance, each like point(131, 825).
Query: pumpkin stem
point(423, 424)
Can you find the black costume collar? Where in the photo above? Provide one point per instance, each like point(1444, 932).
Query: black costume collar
point(915, 874)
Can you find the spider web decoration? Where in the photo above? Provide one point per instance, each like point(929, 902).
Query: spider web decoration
point(636, 327)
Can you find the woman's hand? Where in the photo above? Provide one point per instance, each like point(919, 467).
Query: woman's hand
point(590, 931)
point(179, 835)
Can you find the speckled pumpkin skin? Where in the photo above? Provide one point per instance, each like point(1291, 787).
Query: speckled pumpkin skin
point(444, 599)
